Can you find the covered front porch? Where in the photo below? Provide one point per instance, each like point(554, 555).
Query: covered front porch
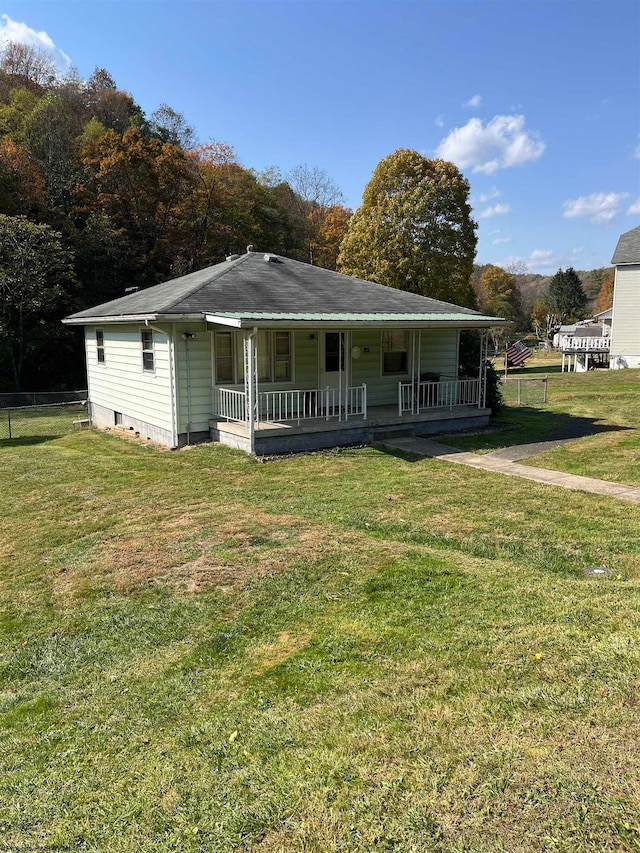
point(310, 388)
point(261, 419)
point(379, 423)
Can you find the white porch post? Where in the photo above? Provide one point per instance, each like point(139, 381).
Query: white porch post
point(250, 386)
point(418, 348)
point(482, 370)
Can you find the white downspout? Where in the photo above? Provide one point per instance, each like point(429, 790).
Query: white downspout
point(172, 384)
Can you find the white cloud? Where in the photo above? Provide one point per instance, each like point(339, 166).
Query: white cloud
point(634, 209)
point(541, 261)
point(439, 121)
point(599, 208)
point(636, 152)
point(17, 31)
point(503, 143)
point(500, 240)
point(494, 192)
point(473, 102)
point(496, 210)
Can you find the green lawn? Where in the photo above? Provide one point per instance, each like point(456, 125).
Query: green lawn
point(610, 399)
point(345, 651)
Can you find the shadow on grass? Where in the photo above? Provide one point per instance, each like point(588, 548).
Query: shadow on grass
point(27, 440)
point(524, 426)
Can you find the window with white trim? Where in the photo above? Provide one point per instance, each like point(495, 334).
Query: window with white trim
point(274, 359)
point(148, 360)
point(395, 352)
point(100, 346)
point(282, 363)
point(225, 368)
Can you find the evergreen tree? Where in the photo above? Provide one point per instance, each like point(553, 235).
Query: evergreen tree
point(566, 298)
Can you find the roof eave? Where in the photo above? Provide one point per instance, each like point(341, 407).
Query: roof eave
point(329, 323)
point(110, 319)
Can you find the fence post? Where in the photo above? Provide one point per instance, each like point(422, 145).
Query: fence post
point(9, 421)
point(519, 391)
point(544, 387)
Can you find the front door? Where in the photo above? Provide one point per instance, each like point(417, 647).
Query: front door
point(333, 360)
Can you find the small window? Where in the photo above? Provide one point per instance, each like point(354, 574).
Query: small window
point(333, 352)
point(395, 349)
point(282, 350)
point(263, 349)
point(224, 358)
point(147, 350)
point(100, 345)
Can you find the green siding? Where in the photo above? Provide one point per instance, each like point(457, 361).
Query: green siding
point(200, 376)
point(438, 354)
point(120, 384)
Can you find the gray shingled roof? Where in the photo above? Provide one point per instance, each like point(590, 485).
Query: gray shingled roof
point(628, 248)
point(251, 286)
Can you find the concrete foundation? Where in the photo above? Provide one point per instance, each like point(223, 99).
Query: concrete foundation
point(381, 424)
point(104, 418)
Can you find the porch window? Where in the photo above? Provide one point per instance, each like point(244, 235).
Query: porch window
point(148, 361)
point(274, 361)
point(274, 356)
point(395, 350)
point(282, 357)
point(100, 346)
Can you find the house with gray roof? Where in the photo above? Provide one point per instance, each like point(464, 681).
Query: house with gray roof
point(625, 322)
point(270, 355)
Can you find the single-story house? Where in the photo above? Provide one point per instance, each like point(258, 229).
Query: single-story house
point(625, 324)
point(271, 355)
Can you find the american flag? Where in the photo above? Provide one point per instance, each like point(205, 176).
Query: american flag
point(518, 353)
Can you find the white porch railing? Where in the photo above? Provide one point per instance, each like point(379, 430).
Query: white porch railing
point(569, 343)
point(417, 396)
point(300, 405)
point(230, 405)
point(293, 405)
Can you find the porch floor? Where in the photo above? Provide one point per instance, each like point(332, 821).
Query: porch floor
point(381, 422)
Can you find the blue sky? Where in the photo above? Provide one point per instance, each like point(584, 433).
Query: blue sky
point(538, 102)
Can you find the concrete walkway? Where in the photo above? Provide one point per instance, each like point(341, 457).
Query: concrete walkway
point(490, 462)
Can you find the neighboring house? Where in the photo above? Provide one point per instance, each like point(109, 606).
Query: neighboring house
point(271, 355)
point(585, 345)
point(625, 325)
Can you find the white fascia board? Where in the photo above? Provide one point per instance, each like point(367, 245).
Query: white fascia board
point(234, 322)
point(368, 324)
point(133, 318)
point(119, 318)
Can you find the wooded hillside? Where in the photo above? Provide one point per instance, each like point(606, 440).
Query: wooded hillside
point(129, 200)
point(122, 199)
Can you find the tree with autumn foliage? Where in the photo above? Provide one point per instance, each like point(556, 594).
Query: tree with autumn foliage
point(605, 297)
point(414, 229)
point(138, 183)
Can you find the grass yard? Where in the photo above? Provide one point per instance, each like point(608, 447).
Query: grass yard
point(347, 651)
point(610, 399)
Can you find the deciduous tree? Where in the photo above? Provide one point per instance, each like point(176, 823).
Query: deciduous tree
point(414, 229)
point(605, 297)
point(36, 276)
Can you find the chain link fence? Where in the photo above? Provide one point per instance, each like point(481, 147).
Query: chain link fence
point(517, 391)
point(42, 414)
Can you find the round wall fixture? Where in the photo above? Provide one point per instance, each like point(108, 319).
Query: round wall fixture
point(356, 352)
